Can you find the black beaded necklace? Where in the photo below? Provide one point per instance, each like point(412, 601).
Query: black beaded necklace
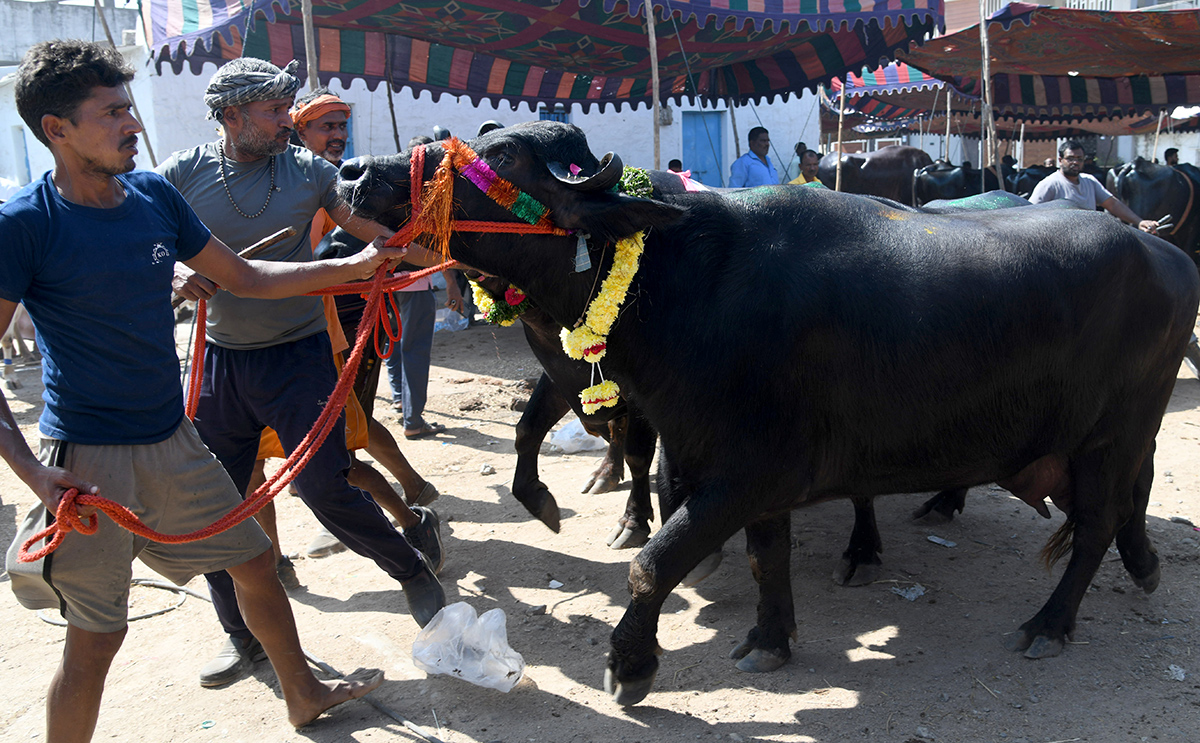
point(238, 209)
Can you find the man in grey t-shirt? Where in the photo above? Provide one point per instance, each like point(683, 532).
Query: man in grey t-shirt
point(269, 362)
point(1081, 189)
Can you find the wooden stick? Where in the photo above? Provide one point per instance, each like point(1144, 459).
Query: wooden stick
point(249, 253)
point(654, 83)
point(128, 90)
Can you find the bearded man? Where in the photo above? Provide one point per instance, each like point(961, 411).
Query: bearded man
point(269, 362)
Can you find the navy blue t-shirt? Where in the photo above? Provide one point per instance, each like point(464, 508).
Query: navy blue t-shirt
point(97, 283)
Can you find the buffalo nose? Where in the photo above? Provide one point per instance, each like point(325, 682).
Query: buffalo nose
point(353, 169)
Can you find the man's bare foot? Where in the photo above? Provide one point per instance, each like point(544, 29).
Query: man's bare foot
point(332, 693)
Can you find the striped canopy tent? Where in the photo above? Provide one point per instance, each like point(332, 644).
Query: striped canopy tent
point(891, 98)
point(1062, 65)
point(548, 51)
point(889, 120)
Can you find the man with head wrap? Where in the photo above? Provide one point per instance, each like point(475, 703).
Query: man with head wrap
point(269, 363)
point(321, 120)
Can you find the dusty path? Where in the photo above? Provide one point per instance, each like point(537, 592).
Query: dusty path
point(869, 665)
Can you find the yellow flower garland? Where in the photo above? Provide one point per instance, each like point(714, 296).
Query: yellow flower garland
point(589, 341)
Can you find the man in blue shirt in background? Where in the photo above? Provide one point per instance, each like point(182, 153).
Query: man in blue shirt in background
point(754, 168)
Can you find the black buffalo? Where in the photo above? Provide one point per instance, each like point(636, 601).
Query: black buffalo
point(1025, 180)
point(1153, 191)
point(943, 181)
point(886, 172)
point(892, 351)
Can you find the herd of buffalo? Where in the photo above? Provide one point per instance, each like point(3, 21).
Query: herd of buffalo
point(897, 349)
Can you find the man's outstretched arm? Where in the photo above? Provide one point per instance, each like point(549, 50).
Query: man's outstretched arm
point(1117, 208)
point(216, 263)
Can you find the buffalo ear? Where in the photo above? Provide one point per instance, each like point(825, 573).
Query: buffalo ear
point(610, 216)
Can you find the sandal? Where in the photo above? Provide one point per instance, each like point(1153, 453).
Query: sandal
point(429, 429)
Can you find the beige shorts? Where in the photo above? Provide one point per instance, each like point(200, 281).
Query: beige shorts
point(175, 486)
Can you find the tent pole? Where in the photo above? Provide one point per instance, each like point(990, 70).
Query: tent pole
point(949, 95)
point(310, 44)
point(1157, 131)
point(737, 143)
point(987, 140)
point(128, 90)
point(653, 79)
point(1021, 151)
point(837, 181)
point(387, 83)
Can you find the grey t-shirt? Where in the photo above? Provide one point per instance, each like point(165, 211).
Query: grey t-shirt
point(1087, 194)
point(305, 183)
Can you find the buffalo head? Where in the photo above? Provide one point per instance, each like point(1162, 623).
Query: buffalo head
point(549, 161)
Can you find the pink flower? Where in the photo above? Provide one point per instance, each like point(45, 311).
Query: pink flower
point(514, 296)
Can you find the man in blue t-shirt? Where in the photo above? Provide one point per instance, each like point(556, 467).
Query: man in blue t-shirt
point(90, 249)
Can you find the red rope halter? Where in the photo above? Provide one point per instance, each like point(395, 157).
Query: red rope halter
point(67, 517)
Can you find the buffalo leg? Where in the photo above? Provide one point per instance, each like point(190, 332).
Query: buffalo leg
point(1137, 550)
point(768, 544)
point(940, 508)
point(546, 407)
point(611, 471)
point(860, 562)
point(702, 523)
point(672, 493)
point(1098, 502)
point(633, 528)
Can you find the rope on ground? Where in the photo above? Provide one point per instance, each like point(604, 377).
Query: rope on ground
point(148, 582)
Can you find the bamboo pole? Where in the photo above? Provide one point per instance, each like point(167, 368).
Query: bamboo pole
point(737, 142)
point(837, 181)
point(387, 71)
point(1157, 131)
point(1021, 149)
point(310, 44)
point(653, 80)
point(987, 140)
point(948, 112)
point(128, 91)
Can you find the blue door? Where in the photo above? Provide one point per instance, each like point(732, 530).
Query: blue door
point(702, 146)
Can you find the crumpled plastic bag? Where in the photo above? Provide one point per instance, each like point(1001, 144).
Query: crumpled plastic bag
point(473, 648)
point(573, 437)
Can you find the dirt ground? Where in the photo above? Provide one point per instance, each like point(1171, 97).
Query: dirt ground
point(868, 664)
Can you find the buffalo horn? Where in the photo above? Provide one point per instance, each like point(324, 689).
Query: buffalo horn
point(605, 178)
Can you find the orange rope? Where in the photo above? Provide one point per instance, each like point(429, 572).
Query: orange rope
point(67, 517)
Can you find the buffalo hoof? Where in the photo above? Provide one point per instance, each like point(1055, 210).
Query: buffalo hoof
point(601, 484)
point(707, 567)
point(1044, 647)
point(12, 384)
point(631, 691)
point(542, 505)
point(1150, 582)
point(624, 537)
point(850, 573)
point(758, 660)
point(1035, 646)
